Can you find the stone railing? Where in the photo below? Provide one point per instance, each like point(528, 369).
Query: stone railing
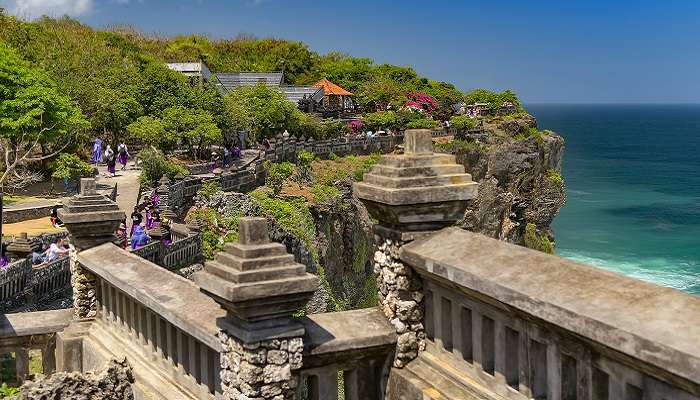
point(353, 349)
point(183, 252)
point(502, 320)
point(161, 322)
point(22, 285)
point(22, 332)
point(168, 330)
point(13, 282)
point(185, 249)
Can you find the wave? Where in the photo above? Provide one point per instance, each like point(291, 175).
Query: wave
point(676, 274)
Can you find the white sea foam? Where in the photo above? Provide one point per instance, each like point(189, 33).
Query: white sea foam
point(675, 274)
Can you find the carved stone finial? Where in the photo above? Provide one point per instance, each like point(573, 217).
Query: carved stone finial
point(418, 190)
point(259, 284)
point(91, 218)
point(22, 246)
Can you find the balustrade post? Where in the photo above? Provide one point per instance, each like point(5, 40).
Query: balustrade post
point(91, 219)
point(411, 195)
point(261, 287)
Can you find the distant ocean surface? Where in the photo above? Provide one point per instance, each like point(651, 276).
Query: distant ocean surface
point(633, 184)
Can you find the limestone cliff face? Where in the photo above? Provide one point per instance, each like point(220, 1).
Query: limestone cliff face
point(520, 180)
point(345, 244)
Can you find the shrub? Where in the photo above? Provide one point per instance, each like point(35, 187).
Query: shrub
point(555, 177)
point(154, 165)
point(8, 391)
point(277, 173)
point(217, 229)
point(463, 122)
point(335, 129)
point(209, 188)
point(304, 160)
point(535, 241)
point(70, 166)
point(422, 123)
point(324, 193)
point(381, 120)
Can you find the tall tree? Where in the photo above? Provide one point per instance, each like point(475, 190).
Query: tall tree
point(32, 113)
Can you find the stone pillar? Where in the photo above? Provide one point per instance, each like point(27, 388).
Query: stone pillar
point(22, 246)
point(260, 286)
point(411, 195)
point(91, 219)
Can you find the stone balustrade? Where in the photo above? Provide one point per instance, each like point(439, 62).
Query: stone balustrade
point(351, 348)
point(161, 322)
point(23, 285)
point(22, 332)
point(503, 321)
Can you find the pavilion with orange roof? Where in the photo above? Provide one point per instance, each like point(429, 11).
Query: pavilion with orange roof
point(335, 96)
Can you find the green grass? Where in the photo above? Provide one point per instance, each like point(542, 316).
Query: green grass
point(535, 241)
point(555, 177)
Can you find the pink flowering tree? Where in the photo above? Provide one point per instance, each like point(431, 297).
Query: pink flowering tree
point(421, 102)
point(355, 125)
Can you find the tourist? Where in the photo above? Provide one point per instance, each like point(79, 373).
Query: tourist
point(51, 254)
point(55, 221)
point(236, 152)
point(149, 217)
point(121, 234)
point(136, 219)
point(167, 237)
point(123, 152)
point(139, 238)
point(97, 151)
point(4, 261)
point(214, 161)
point(111, 160)
point(155, 198)
point(227, 156)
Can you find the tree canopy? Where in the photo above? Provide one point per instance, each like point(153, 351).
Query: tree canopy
point(32, 113)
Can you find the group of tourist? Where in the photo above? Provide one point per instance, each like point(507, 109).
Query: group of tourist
point(110, 156)
point(230, 153)
point(51, 253)
point(137, 236)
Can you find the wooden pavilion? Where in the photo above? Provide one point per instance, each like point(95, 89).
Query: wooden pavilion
point(334, 96)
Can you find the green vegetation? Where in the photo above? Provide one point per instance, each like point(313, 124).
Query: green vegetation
point(463, 122)
point(209, 188)
point(8, 391)
point(277, 174)
point(555, 177)
point(217, 229)
point(535, 241)
point(70, 166)
point(154, 165)
point(422, 123)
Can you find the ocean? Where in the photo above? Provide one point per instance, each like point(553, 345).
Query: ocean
point(633, 189)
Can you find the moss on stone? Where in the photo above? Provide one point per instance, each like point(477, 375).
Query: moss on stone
point(555, 177)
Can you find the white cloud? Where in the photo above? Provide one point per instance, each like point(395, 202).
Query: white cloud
point(31, 9)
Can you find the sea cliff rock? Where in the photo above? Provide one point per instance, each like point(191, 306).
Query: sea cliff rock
point(519, 172)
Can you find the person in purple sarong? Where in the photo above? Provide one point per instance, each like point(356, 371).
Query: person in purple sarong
point(139, 238)
point(149, 219)
point(123, 155)
point(111, 160)
point(97, 151)
point(155, 198)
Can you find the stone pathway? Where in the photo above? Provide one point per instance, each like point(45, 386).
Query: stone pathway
point(127, 185)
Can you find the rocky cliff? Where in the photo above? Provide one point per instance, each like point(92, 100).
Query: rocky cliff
point(519, 171)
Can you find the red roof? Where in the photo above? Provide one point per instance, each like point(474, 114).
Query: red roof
point(331, 88)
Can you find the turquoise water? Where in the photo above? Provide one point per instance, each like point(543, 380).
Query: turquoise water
point(633, 185)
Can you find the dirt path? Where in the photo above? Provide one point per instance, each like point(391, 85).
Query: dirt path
point(127, 185)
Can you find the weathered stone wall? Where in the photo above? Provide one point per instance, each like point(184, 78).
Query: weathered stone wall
point(401, 299)
point(114, 382)
point(260, 370)
point(83, 282)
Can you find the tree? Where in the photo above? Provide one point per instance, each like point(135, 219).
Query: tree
point(265, 109)
point(151, 130)
point(32, 112)
point(195, 128)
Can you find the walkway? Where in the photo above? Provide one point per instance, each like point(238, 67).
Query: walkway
point(127, 185)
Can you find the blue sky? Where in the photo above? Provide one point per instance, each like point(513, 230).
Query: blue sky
point(547, 51)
